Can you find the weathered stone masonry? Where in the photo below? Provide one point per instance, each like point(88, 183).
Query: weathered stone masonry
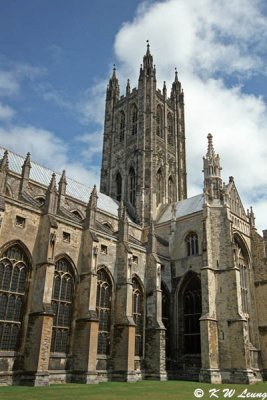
point(136, 281)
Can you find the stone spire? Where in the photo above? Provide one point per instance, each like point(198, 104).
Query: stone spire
point(148, 69)
point(176, 86)
point(25, 174)
point(3, 172)
point(151, 244)
point(62, 188)
point(113, 89)
point(91, 209)
point(212, 171)
point(51, 196)
point(123, 223)
point(164, 90)
point(128, 87)
point(4, 162)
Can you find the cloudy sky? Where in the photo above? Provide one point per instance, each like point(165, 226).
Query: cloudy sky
point(56, 58)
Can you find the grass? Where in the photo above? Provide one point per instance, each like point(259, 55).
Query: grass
point(148, 390)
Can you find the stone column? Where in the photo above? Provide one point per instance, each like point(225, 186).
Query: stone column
point(155, 352)
point(124, 326)
point(209, 329)
point(87, 323)
point(39, 330)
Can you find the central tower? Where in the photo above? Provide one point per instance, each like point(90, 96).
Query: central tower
point(143, 160)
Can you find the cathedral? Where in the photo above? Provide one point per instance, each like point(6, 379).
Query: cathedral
point(134, 281)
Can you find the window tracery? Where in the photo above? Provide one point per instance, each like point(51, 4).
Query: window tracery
point(192, 244)
point(122, 126)
point(138, 317)
point(118, 186)
point(103, 307)
point(166, 316)
point(159, 193)
point(191, 313)
point(62, 299)
point(134, 119)
point(132, 187)
point(170, 129)
point(159, 120)
point(14, 267)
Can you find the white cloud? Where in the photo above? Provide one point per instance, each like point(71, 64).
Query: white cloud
point(8, 84)
point(93, 143)
point(13, 73)
point(207, 40)
point(6, 112)
point(48, 149)
point(91, 106)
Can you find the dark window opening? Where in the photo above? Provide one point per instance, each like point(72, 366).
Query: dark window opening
point(62, 298)
point(138, 317)
point(118, 186)
point(192, 312)
point(166, 304)
point(132, 187)
point(103, 307)
point(13, 276)
point(122, 126)
point(134, 118)
point(192, 244)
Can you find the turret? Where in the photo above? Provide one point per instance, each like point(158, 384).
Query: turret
point(147, 69)
point(212, 172)
point(123, 223)
point(62, 189)
point(113, 89)
point(176, 86)
point(51, 196)
point(25, 174)
point(91, 209)
point(3, 172)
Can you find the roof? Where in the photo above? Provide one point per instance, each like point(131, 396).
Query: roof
point(74, 189)
point(183, 208)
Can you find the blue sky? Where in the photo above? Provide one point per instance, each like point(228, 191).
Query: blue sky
point(56, 57)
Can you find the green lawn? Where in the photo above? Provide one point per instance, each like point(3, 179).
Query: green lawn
point(147, 390)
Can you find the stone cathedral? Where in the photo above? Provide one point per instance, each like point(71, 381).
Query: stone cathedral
point(135, 281)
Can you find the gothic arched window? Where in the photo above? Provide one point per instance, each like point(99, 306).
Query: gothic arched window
point(132, 187)
point(122, 126)
point(192, 244)
point(166, 304)
point(118, 186)
point(159, 121)
point(191, 313)
point(134, 119)
point(159, 192)
point(14, 269)
point(242, 263)
point(103, 308)
point(170, 129)
point(170, 190)
point(62, 299)
point(138, 316)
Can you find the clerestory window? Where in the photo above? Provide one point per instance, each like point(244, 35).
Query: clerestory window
point(192, 244)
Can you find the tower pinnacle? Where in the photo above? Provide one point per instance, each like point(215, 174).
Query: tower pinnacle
point(212, 171)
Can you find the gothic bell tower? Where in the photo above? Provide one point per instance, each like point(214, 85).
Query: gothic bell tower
point(143, 160)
